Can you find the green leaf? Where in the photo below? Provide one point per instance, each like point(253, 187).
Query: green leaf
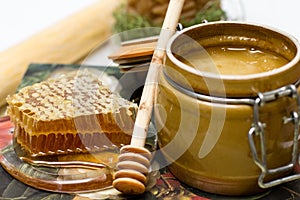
point(213, 12)
point(129, 21)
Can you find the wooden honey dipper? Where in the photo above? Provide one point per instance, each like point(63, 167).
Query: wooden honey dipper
point(134, 159)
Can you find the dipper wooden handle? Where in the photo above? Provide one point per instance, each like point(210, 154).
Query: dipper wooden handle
point(134, 159)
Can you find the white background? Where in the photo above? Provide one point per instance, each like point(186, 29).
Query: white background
point(20, 19)
point(282, 14)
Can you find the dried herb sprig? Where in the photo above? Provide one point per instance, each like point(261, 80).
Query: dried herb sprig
point(132, 26)
point(125, 21)
point(128, 21)
point(211, 12)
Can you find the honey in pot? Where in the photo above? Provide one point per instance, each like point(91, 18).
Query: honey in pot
point(235, 60)
point(224, 95)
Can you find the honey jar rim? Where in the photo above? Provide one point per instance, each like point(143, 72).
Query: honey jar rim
point(238, 85)
point(288, 65)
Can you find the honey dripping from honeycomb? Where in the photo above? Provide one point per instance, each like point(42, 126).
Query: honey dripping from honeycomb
point(69, 114)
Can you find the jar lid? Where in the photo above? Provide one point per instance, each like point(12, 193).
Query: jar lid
point(202, 36)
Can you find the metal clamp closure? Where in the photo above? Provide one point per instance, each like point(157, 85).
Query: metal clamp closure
point(258, 129)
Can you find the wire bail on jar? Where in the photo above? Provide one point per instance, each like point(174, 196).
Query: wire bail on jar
point(258, 130)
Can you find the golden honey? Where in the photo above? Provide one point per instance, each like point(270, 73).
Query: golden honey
point(206, 117)
point(232, 60)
